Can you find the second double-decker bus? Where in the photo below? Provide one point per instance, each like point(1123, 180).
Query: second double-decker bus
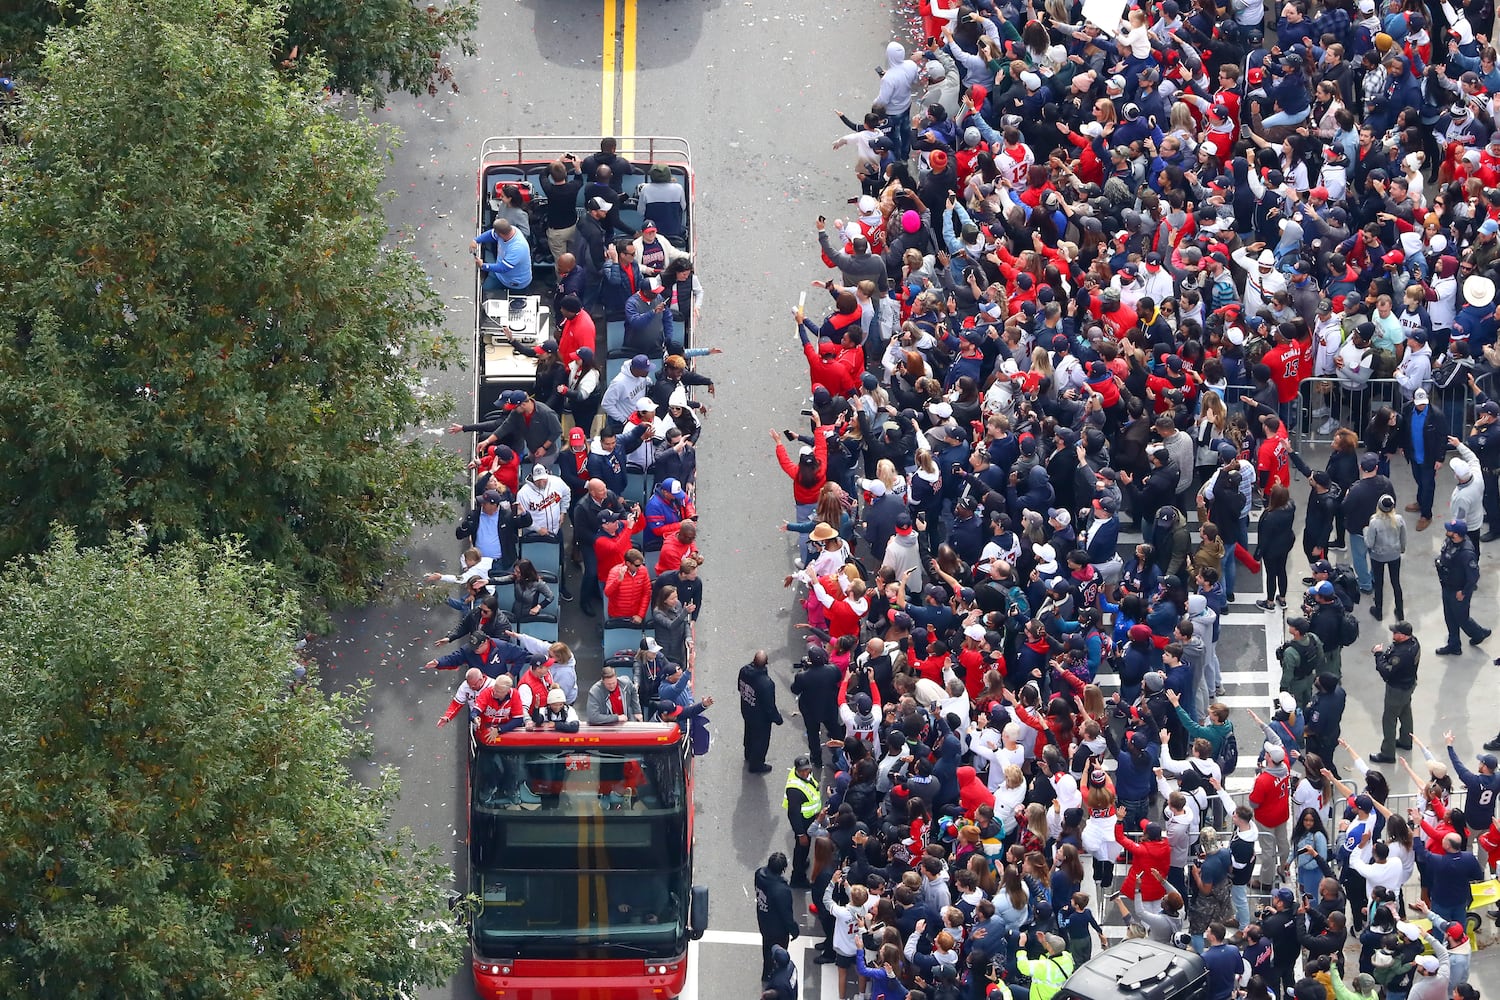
point(581, 864)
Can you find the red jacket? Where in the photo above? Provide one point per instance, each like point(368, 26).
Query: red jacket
point(972, 792)
point(800, 493)
point(628, 595)
point(1270, 797)
point(610, 552)
point(575, 333)
point(1145, 855)
point(833, 372)
point(672, 553)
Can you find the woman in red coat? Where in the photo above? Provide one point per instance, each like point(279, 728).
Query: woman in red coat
point(1148, 856)
point(809, 473)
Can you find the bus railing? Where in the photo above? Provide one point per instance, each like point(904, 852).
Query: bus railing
point(517, 149)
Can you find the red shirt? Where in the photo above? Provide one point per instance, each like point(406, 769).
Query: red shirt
point(575, 333)
point(1285, 362)
point(1273, 461)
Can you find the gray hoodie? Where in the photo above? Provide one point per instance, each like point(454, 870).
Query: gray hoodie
point(1386, 541)
point(900, 76)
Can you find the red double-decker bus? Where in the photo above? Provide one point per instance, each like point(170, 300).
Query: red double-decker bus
point(581, 864)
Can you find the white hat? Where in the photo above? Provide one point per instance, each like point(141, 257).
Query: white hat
point(1009, 367)
point(1266, 258)
point(1367, 6)
point(539, 471)
point(806, 449)
point(1461, 470)
point(678, 398)
point(1274, 753)
point(1092, 130)
point(1409, 931)
point(941, 409)
point(556, 697)
point(1286, 702)
point(1419, 397)
point(1235, 336)
point(1031, 80)
point(1044, 553)
point(1427, 962)
point(936, 71)
point(643, 404)
point(1478, 290)
point(1209, 146)
point(1117, 82)
point(874, 487)
point(974, 631)
point(1438, 243)
point(867, 204)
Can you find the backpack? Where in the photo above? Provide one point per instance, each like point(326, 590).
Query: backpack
point(1348, 629)
point(1344, 579)
point(1228, 754)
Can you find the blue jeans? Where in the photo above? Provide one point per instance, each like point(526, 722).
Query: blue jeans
point(1282, 118)
point(1241, 896)
point(1426, 476)
point(1227, 569)
point(901, 135)
point(1360, 553)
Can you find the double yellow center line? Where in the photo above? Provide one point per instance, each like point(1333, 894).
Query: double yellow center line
point(619, 67)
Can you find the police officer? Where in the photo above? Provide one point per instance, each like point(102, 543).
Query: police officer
point(803, 802)
point(758, 711)
point(774, 912)
point(1484, 441)
point(1458, 574)
point(1397, 666)
point(817, 689)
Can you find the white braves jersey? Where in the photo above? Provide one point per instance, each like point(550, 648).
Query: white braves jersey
point(546, 505)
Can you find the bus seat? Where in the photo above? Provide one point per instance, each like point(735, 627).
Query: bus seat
point(544, 554)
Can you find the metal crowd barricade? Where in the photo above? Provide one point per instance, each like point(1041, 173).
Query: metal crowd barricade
point(1352, 407)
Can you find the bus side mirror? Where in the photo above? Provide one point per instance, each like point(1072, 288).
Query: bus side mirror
point(698, 914)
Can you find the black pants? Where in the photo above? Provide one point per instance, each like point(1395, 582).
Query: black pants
point(1492, 500)
point(1275, 567)
point(801, 850)
point(757, 741)
point(1457, 618)
point(767, 942)
point(815, 727)
point(1378, 570)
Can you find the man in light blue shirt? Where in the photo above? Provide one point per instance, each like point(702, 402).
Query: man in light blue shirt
point(511, 269)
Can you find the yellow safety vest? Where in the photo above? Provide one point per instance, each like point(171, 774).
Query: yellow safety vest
point(813, 799)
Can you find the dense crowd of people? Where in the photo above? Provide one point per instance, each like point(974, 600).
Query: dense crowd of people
point(1100, 281)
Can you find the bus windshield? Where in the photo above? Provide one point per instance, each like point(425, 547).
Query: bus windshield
point(579, 851)
point(581, 915)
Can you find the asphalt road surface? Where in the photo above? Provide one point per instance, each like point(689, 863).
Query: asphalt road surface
point(752, 84)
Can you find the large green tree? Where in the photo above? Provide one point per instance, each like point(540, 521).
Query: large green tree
point(369, 46)
point(176, 821)
point(203, 328)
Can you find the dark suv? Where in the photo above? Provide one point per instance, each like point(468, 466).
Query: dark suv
point(1138, 970)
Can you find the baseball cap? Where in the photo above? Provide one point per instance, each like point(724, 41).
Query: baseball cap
point(491, 496)
point(1489, 761)
point(539, 471)
point(1323, 588)
point(1490, 409)
point(600, 205)
point(1364, 803)
point(673, 487)
point(1402, 628)
point(1457, 527)
point(1427, 962)
point(640, 363)
point(1420, 396)
point(1369, 462)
